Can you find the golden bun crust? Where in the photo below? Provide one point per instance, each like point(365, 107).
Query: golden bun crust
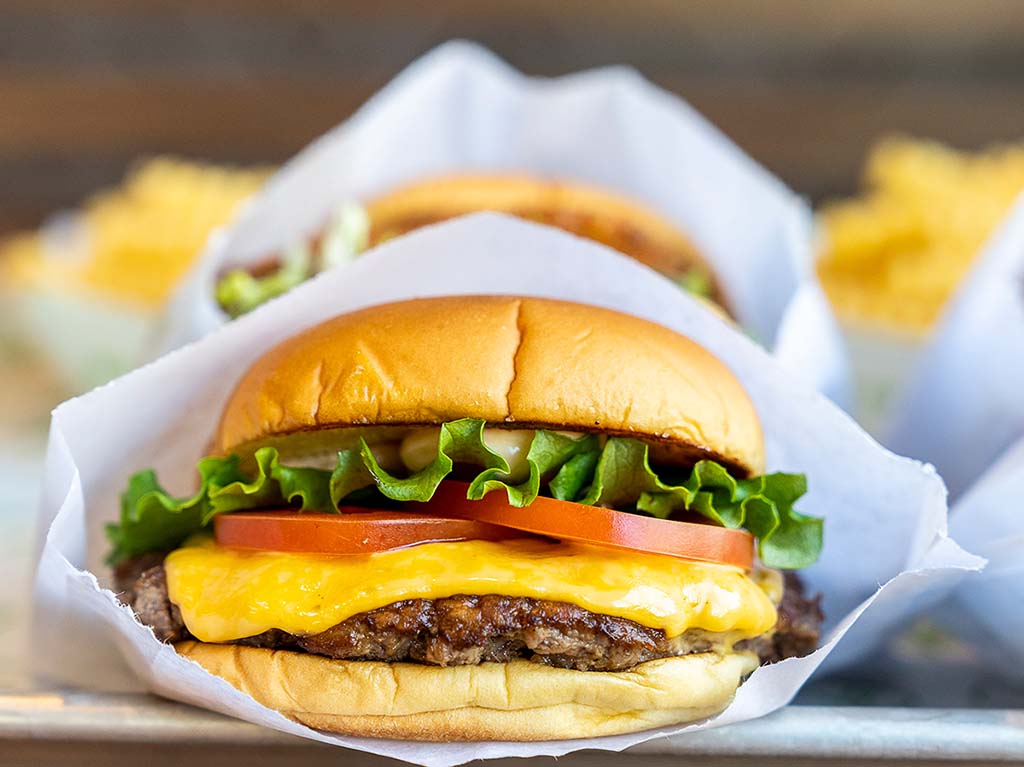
point(516, 362)
point(494, 701)
point(587, 211)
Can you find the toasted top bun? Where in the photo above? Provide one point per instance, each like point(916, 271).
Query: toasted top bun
point(514, 362)
point(520, 700)
point(590, 212)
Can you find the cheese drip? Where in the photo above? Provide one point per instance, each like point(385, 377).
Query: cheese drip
point(227, 594)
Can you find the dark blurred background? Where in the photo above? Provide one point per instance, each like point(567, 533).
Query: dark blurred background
point(86, 86)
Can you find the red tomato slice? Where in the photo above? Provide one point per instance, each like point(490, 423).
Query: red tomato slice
point(353, 531)
point(592, 524)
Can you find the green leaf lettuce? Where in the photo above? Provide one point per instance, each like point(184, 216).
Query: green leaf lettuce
point(345, 237)
point(613, 472)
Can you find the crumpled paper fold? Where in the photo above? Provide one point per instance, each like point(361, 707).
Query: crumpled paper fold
point(987, 609)
point(964, 404)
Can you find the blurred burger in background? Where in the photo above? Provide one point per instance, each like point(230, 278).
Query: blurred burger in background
point(587, 211)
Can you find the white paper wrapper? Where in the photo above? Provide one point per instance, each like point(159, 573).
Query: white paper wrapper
point(881, 364)
point(459, 108)
point(886, 518)
point(965, 402)
point(987, 609)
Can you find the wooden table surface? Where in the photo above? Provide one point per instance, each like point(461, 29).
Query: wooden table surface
point(804, 86)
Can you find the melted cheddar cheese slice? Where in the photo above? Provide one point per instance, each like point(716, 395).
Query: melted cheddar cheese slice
point(226, 594)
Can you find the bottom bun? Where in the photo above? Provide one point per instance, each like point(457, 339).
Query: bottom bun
point(520, 700)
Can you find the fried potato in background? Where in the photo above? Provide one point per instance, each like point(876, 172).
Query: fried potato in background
point(893, 256)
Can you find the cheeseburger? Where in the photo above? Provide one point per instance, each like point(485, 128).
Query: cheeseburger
point(596, 214)
point(478, 518)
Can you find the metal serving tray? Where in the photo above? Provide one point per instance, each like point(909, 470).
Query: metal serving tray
point(914, 707)
point(85, 728)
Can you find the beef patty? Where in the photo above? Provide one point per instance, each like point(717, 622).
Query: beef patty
point(469, 629)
